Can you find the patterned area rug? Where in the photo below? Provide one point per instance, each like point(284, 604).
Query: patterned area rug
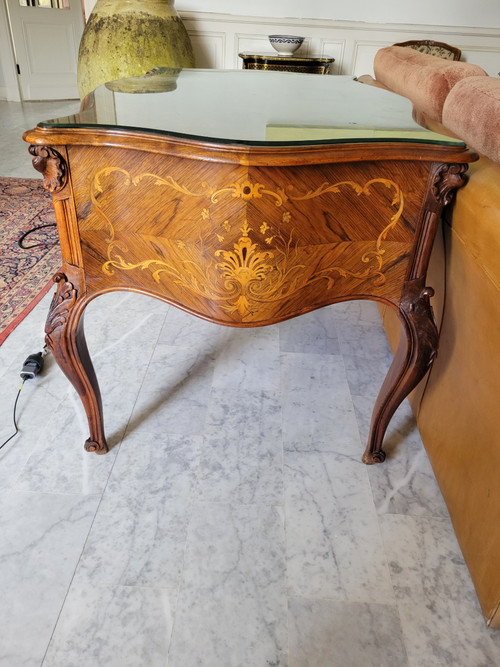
point(25, 275)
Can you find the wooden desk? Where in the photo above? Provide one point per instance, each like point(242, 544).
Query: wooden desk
point(298, 64)
point(185, 196)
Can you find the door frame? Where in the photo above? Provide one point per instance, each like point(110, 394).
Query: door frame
point(10, 91)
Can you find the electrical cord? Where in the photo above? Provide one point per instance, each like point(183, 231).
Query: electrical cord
point(36, 245)
point(14, 418)
point(32, 366)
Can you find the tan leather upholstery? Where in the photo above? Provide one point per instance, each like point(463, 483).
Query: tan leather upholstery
point(459, 413)
point(458, 404)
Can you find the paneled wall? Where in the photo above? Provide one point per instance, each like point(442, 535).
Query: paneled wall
point(479, 13)
point(218, 38)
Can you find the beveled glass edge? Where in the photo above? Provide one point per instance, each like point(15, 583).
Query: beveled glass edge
point(242, 142)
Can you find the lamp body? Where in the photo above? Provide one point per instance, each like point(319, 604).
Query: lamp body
point(126, 38)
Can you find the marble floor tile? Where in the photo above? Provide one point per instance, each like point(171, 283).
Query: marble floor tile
point(365, 376)
point(328, 633)
point(248, 360)
point(334, 547)
point(233, 595)
point(406, 485)
point(139, 533)
point(34, 405)
point(113, 626)
point(178, 412)
point(438, 607)
point(367, 357)
point(361, 311)
point(314, 333)
point(242, 459)
point(183, 330)
point(124, 321)
point(42, 536)
point(173, 367)
point(175, 393)
point(135, 542)
point(361, 340)
point(60, 464)
point(318, 414)
point(156, 462)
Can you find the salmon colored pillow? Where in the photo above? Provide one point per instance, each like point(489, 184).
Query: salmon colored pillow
point(425, 80)
point(472, 112)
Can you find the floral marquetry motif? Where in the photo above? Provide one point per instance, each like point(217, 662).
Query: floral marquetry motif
point(244, 262)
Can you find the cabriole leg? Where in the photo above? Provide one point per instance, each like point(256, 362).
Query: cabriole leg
point(416, 351)
point(66, 339)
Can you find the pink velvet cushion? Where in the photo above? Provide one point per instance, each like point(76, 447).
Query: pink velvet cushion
point(425, 80)
point(472, 112)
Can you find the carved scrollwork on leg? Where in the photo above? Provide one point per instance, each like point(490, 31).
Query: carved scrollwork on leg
point(51, 165)
point(447, 180)
point(62, 302)
point(415, 303)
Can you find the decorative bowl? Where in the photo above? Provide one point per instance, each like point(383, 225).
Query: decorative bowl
point(285, 45)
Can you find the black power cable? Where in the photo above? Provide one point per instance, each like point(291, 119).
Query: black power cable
point(36, 245)
point(31, 367)
point(14, 417)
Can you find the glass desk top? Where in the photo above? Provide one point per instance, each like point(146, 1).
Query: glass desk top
point(253, 108)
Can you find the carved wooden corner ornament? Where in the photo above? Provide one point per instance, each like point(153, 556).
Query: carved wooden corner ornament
point(51, 165)
point(448, 179)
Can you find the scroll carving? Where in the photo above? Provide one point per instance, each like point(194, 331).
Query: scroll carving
point(51, 165)
point(416, 304)
point(448, 179)
point(62, 302)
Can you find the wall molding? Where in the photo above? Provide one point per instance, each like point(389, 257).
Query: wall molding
point(218, 38)
point(353, 44)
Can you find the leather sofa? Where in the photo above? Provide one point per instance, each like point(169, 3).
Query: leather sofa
point(457, 405)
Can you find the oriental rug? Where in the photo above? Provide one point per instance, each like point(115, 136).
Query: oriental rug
point(25, 274)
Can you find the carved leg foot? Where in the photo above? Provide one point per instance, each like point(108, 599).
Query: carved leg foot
point(416, 351)
point(98, 448)
point(66, 339)
point(373, 457)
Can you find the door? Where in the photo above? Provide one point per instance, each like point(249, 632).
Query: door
point(46, 36)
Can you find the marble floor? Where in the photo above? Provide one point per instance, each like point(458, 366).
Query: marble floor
point(232, 524)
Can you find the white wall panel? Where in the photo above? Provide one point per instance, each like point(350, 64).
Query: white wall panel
point(484, 13)
point(352, 44)
point(487, 58)
point(209, 49)
point(334, 49)
point(218, 37)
